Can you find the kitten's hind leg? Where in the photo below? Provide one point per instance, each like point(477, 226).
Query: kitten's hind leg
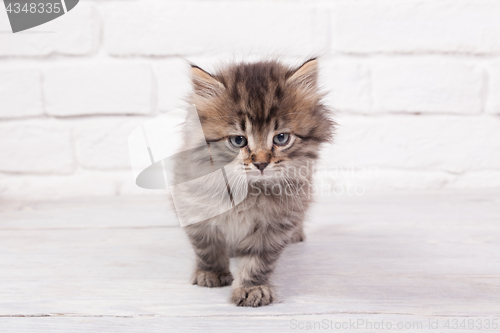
point(212, 259)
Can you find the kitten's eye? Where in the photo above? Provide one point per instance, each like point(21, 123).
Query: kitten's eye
point(281, 139)
point(238, 141)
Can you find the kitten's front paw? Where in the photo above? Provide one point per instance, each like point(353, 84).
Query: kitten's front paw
point(210, 279)
point(253, 296)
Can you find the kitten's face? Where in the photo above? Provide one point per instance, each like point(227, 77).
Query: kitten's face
point(269, 113)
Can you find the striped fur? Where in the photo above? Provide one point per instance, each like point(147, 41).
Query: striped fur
point(257, 101)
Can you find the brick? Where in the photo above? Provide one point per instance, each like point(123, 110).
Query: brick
point(56, 187)
point(174, 84)
point(357, 182)
point(191, 28)
point(4, 21)
point(493, 102)
point(347, 84)
point(82, 184)
point(352, 182)
point(102, 143)
point(416, 26)
point(98, 89)
point(75, 33)
point(36, 146)
point(441, 143)
point(480, 179)
point(20, 93)
point(427, 86)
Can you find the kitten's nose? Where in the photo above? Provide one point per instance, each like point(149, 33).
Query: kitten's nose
point(261, 166)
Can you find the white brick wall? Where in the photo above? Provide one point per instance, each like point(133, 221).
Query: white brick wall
point(493, 105)
point(421, 26)
point(348, 84)
point(74, 34)
point(98, 89)
point(431, 86)
point(100, 143)
point(415, 85)
point(440, 143)
point(20, 93)
point(208, 27)
point(36, 146)
point(173, 85)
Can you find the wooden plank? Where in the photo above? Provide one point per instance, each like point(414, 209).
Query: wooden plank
point(300, 323)
point(88, 213)
point(423, 256)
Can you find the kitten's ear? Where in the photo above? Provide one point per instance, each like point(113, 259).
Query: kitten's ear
point(306, 75)
point(205, 84)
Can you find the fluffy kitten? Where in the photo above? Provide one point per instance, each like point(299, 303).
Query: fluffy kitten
point(273, 116)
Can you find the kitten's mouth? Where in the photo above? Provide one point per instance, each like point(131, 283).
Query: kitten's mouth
point(255, 173)
point(261, 174)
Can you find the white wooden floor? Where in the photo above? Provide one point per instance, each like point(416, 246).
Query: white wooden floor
point(122, 265)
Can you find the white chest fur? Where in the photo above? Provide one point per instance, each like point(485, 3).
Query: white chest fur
point(236, 227)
